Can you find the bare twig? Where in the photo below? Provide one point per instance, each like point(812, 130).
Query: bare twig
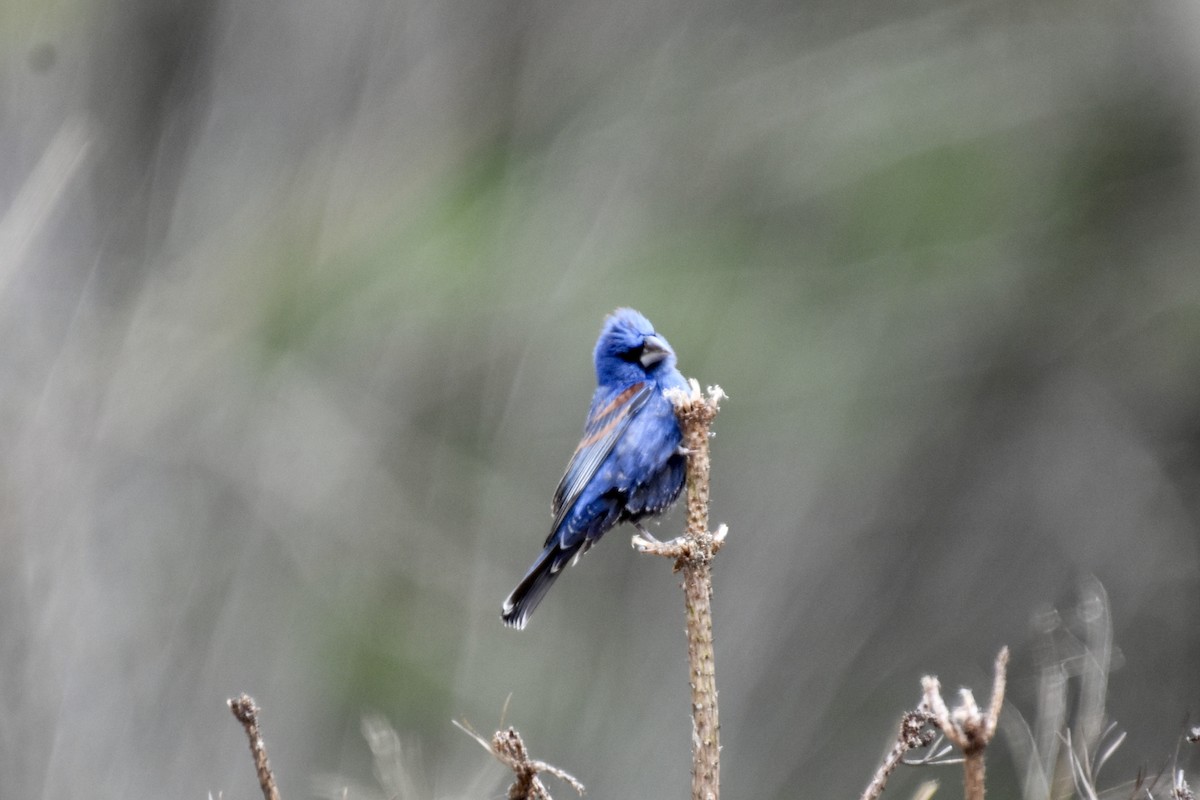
point(509, 750)
point(914, 733)
point(969, 728)
point(693, 553)
point(246, 711)
point(936, 757)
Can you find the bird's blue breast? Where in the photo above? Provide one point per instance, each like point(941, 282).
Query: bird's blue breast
point(652, 437)
point(642, 475)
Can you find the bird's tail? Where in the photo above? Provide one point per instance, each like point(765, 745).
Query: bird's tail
point(533, 587)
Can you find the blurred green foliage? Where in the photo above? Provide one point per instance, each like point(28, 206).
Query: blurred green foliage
point(298, 341)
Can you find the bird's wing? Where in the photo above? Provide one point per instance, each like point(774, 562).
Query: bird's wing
point(604, 427)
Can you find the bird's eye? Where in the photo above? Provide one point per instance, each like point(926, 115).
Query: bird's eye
point(632, 355)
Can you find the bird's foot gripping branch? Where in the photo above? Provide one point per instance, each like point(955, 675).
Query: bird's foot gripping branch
point(693, 553)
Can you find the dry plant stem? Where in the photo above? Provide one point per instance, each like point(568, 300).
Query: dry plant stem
point(1181, 790)
point(974, 776)
point(693, 553)
point(706, 728)
point(913, 734)
point(246, 711)
point(969, 728)
point(509, 750)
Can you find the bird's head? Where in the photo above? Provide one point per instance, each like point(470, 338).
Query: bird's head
point(629, 350)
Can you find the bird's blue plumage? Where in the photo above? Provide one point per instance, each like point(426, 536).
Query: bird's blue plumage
point(628, 465)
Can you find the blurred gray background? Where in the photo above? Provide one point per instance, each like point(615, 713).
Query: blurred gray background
point(297, 302)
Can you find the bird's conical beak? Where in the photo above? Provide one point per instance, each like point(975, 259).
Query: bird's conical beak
point(654, 350)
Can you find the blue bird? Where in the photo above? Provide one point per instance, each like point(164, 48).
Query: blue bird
point(630, 464)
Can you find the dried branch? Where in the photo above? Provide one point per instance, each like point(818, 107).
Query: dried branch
point(246, 711)
point(693, 553)
point(967, 726)
point(509, 750)
point(914, 733)
point(1180, 789)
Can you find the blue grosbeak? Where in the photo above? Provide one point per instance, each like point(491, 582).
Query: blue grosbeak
point(629, 465)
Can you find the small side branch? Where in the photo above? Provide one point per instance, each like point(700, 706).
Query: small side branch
point(966, 726)
point(693, 553)
point(914, 733)
point(509, 750)
point(246, 711)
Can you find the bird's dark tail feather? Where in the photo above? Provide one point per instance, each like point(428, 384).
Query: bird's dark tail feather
point(533, 587)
